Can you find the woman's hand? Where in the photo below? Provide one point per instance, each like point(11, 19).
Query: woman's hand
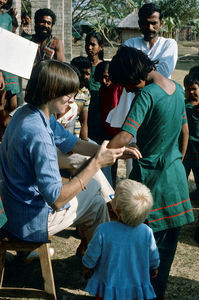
point(107, 156)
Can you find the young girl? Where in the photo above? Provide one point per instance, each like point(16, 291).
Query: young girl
point(8, 98)
point(109, 94)
point(156, 117)
point(94, 49)
point(124, 252)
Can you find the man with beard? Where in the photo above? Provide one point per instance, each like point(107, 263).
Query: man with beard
point(49, 46)
point(164, 51)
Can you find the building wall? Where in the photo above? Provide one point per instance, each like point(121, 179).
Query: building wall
point(129, 33)
point(63, 27)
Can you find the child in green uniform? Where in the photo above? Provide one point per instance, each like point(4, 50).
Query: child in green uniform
point(191, 160)
point(156, 116)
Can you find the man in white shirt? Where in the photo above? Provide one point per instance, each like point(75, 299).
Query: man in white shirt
point(160, 49)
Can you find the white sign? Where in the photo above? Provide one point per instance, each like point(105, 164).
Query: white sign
point(17, 54)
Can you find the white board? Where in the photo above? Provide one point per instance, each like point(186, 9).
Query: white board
point(17, 54)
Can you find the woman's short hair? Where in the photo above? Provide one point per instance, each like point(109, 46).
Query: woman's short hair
point(50, 79)
point(99, 39)
point(133, 201)
point(7, 5)
point(130, 65)
point(44, 12)
point(100, 69)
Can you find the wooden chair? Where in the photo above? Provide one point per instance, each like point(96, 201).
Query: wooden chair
point(46, 268)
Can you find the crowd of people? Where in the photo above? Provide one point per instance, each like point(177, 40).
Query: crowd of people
point(83, 116)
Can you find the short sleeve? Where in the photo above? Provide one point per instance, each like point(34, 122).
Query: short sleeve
point(93, 251)
point(139, 108)
point(64, 140)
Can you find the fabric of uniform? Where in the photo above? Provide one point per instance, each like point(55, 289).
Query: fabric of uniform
point(95, 128)
point(3, 218)
point(11, 81)
point(157, 117)
point(164, 52)
point(191, 159)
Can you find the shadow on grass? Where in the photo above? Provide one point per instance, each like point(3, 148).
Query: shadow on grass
point(67, 275)
point(182, 288)
point(70, 285)
point(67, 233)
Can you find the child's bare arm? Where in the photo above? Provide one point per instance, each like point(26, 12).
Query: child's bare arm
point(154, 273)
point(184, 138)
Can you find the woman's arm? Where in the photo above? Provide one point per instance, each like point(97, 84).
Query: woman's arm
point(103, 157)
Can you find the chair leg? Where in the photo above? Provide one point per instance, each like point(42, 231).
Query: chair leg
point(2, 264)
point(47, 272)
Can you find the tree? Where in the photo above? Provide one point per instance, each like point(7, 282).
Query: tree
point(182, 11)
point(103, 15)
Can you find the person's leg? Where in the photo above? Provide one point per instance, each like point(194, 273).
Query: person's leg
point(88, 209)
point(166, 241)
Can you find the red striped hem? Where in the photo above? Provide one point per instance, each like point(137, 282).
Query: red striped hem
point(131, 125)
point(10, 77)
point(2, 210)
point(170, 205)
point(7, 83)
point(184, 212)
point(133, 121)
point(184, 117)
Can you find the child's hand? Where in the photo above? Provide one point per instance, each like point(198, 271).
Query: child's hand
point(154, 273)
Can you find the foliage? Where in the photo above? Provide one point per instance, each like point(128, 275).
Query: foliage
point(26, 7)
point(181, 11)
point(103, 15)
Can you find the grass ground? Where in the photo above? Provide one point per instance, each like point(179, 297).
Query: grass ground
point(184, 279)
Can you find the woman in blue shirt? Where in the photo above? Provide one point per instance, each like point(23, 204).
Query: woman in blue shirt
point(29, 164)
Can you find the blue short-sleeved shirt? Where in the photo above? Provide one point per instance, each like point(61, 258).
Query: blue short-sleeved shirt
point(30, 172)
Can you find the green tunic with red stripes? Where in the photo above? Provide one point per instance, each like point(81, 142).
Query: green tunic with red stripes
point(157, 119)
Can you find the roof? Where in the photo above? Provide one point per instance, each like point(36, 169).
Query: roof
point(131, 21)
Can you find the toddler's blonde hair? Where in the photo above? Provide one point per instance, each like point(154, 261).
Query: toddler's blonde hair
point(132, 202)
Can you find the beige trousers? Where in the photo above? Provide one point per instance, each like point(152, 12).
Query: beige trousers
point(88, 209)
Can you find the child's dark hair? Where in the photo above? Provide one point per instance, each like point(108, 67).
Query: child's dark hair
point(130, 65)
point(191, 79)
point(81, 62)
point(7, 5)
point(100, 69)
point(99, 39)
point(194, 70)
point(148, 9)
point(44, 12)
